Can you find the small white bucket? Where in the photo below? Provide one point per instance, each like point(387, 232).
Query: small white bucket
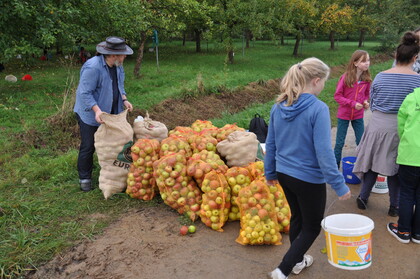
point(348, 240)
point(381, 185)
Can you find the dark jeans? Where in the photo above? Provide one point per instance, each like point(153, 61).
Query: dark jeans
point(409, 220)
point(369, 180)
point(86, 150)
point(342, 126)
point(307, 204)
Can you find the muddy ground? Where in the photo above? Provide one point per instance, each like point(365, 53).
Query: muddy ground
point(146, 243)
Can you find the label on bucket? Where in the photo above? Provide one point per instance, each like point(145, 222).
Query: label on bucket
point(347, 252)
point(381, 185)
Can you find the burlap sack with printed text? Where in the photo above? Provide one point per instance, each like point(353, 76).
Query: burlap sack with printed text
point(113, 141)
point(239, 149)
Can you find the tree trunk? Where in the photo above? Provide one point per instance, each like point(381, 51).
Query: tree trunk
point(248, 37)
point(139, 58)
point(282, 40)
point(230, 56)
point(184, 37)
point(332, 40)
point(296, 48)
point(197, 36)
point(362, 37)
point(58, 49)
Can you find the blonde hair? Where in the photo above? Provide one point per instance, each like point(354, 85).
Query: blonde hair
point(298, 76)
point(351, 71)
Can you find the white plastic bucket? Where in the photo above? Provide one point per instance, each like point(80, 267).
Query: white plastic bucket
point(348, 240)
point(381, 185)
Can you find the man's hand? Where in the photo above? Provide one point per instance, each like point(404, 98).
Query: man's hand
point(128, 105)
point(98, 116)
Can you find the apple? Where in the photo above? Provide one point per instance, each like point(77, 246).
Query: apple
point(213, 205)
point(279, 203)
point(183, 230)
point(195, 207)
point(240, 179)
point(252, 202)
point(214, 219)
point(236, 189)
point(284, 210)
point(135, 149)
point(285, 222)
point(232, 181)
point(181, 201)
point(191, 229)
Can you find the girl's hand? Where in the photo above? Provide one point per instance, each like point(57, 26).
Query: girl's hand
point(272, 182)
point(366, 104)
point(358, 106)
point(346, 196)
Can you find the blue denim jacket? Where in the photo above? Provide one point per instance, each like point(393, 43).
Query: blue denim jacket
point(95, 88)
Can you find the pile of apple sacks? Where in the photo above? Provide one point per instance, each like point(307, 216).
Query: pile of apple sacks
point(193, 179)
point(140, 181)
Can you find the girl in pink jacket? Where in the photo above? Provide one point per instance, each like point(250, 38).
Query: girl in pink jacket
point(352, 96)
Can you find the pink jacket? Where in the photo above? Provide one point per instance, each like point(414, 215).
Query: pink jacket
point(347, 97)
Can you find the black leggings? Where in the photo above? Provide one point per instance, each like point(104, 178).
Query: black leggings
point(307, 204)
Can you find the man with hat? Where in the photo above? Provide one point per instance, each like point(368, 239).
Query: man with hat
point(101, 89)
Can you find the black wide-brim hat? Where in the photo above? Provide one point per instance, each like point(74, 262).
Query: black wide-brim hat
point(114, 45)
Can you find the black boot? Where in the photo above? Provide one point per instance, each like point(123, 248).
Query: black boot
point(361, 203)
point(86, 185)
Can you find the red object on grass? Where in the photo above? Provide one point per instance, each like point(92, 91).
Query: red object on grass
point(27, 77)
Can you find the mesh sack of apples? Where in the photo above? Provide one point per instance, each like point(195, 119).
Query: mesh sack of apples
point(226, 130)
point(140, 181)
point(202, 142)
point(200, 125)
point(281, 206)
point(177, 189)
point(210, 132)
point(182, 131)
point(216, 204)
point(199, 164)
point(256, 169)
point(258, 216)
point(175, 144)
point(237, 178)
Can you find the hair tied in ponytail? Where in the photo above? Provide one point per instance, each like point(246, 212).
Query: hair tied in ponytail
point(299, 66)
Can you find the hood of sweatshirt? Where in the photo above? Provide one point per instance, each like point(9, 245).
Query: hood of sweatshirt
point(289, 113)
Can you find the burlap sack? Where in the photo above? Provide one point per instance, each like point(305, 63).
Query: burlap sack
point(239, 149)
point(150, 129)
point(113, 141)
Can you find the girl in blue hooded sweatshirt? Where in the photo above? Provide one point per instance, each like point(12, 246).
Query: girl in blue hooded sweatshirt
point(300, 157)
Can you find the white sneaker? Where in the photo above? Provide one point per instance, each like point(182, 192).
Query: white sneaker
point(276, 274)
point(307, 262)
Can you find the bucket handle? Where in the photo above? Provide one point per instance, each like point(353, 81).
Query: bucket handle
point(329, 207)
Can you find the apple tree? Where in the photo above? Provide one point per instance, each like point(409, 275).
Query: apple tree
point(336, 19)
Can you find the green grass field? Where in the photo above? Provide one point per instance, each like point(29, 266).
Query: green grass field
point(42, 210)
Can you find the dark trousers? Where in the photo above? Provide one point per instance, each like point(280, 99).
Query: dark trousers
point(342, 126)
point(86, 150)
point(409, 218)
point(307, 204)
point(369, 180)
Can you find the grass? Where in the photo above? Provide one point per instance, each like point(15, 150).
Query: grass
point(42, 210)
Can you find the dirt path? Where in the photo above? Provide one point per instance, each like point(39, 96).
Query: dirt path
point(146, 244)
